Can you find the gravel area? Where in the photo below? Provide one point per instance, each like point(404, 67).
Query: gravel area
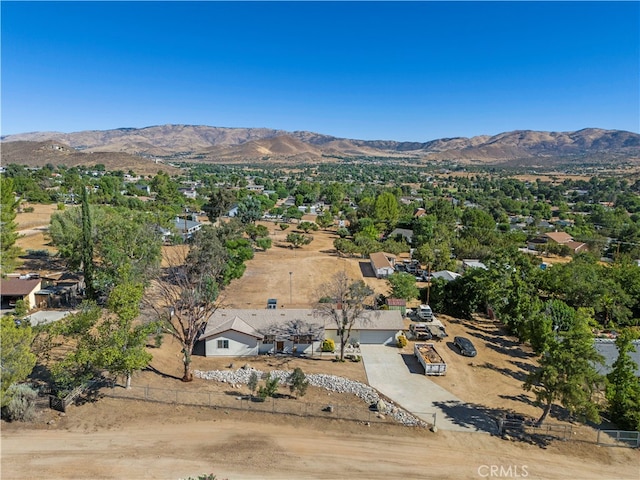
point(332, 383)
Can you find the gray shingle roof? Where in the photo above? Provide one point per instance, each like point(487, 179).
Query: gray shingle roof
point(607, 348)
point(262, 320)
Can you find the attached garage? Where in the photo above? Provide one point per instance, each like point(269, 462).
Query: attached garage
point(378, 327)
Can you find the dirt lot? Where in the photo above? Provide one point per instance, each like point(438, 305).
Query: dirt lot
point(119, 438)
point(293, 276)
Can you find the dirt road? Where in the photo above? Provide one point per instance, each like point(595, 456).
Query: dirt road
point(112, 439)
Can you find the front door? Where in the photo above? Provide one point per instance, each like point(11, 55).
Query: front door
point(279, 346)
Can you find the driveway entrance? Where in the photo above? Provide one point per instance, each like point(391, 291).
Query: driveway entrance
point(399, 376)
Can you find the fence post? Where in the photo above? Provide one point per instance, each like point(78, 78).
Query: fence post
point(434, 418)
point(598, 438)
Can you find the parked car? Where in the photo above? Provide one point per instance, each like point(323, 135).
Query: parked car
point(465, 346)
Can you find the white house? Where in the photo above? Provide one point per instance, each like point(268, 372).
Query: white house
point(472, 263)
point(381, 265)
point(238, 332)
point(377, 327)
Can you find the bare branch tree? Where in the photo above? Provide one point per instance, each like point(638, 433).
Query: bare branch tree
point(183, 297)
point(343, 301)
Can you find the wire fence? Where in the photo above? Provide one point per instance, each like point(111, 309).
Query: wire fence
point(235, 401)
point(619, 438)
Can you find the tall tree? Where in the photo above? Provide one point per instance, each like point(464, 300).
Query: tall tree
point(387, 210)
point(403, 285)
point(120, 238)
point(566, 371)
point(184, 295)
point(86, 245)
point(8, 228)
point(348, 304)
point(220, 201)
point(121, 343)
point(249, 210)
point(623, 387)
point(16, 359)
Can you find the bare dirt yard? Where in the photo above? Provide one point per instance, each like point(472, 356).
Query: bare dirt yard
point(112, 437)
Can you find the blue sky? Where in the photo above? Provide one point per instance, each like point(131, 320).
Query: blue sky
point(412, 71)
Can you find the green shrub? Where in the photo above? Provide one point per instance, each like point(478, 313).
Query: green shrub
point(253, 382)
point(401, 341)
point(298, 382)
point(328, 345)
point(270, 388)
point(22, 403)
point(28, 209)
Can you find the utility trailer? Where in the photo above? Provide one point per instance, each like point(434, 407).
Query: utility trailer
point(430, 359)
point(436, 328)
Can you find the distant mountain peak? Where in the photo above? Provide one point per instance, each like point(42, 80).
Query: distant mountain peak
point(234, 144)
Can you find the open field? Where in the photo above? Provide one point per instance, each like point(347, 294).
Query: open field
point(293, 276)
point(120, 438)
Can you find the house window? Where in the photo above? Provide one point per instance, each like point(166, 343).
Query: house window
point(223, 343)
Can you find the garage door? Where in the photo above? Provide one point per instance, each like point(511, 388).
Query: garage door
point(378, 337)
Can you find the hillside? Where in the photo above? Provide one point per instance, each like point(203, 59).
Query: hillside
point(219, 144)
point(38, 154)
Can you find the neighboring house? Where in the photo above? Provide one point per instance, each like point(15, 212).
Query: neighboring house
point(397, 304)
point(420, 212)
point(189, 192)
point(577, 247)
point(19, 287)
point(382, 266)
point(233, 211)
point(236, 332)
point(445, 275)
point(186, 228)
point(607, 348)
point(467, 264)
point(561, 238)
point(558, 237)
point(60, 289)
point(405, 233)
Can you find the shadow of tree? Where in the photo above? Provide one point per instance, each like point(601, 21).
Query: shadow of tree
point(471, 415)
point(153, 369)
point(557, 411)
point(518, 375)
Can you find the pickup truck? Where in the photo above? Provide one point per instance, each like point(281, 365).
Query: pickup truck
point(420, 331)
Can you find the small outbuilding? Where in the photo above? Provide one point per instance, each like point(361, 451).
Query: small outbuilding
point(382, 264)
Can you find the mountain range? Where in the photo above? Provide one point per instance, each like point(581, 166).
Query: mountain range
point(256, 145)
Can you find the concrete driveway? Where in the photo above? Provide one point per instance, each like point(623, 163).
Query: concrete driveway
point(399, 376)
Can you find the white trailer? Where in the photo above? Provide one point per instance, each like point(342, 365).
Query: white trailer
point(430, 359)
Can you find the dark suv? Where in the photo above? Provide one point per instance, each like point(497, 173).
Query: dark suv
point(465, 346)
